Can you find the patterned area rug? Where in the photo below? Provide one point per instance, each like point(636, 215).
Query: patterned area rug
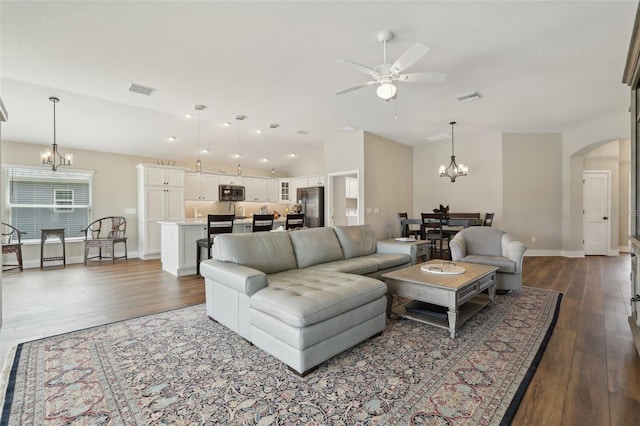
point(180, 367)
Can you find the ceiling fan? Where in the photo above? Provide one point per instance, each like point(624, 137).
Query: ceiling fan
point(385, 74)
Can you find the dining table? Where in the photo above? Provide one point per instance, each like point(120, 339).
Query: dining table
point(452, 224)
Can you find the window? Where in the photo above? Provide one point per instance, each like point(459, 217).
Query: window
point(37, 198)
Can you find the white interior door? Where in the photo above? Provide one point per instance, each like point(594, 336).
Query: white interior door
point(596, 211)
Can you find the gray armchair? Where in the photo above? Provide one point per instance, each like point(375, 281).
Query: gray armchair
point(491, 246)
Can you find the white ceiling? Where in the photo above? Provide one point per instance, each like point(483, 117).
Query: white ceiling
point(541, 67)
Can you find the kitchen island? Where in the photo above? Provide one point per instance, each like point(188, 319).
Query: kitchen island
point(178, 242)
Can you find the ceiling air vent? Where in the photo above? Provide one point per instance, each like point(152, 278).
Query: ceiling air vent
point(468, 97)
point(143, 90)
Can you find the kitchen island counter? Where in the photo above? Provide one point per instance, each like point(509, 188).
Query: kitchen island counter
point(178, 242)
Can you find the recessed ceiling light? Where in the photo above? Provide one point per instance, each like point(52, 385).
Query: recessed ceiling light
point(236, 155)
point(302, 132)
point(440, 137)
point(227, 124)
point(172, 139)
point(204, 150)
point(264, 160)
point(292, 155)
point(259, 131)
point(348, 128)
point(188, 115)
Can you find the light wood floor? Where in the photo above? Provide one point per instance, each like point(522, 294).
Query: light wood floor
point(589, 374)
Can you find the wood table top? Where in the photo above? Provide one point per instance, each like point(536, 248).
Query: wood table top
point(415, 274)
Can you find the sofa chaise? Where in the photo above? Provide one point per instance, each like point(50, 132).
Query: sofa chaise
point(491, 246)
point(302, 296)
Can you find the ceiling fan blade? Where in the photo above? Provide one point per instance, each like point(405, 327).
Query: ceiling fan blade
point(410, 57)
point(423, 77)
point(359, 67)
point(356, 87)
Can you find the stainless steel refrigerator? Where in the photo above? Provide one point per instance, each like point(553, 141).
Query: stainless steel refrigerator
point(312, 202)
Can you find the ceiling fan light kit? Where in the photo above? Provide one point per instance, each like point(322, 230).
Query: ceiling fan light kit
point(386, 74)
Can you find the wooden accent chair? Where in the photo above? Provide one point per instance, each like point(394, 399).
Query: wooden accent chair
point(488, 219)
point(407, 230)
point(104, 234)
point(432, 231)
point(12, 243)
point(216, 224)
point(262, 222)
point(294, 221)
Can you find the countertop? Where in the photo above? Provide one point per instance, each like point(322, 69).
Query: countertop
point(189, 222)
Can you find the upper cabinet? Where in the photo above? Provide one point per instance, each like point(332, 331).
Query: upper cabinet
point(255, 189)
point(163, 176)
point(285, 191)
point(351, 187)
point(273, 190)
point(231, 180)
point(316, 180)
point(200, 186)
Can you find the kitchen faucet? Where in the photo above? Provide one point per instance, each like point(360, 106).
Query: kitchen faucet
point(234, 208)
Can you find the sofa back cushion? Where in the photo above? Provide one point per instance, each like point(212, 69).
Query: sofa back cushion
point(269, 252)
point(357, 240)
point(482, 240)
point(315, 245)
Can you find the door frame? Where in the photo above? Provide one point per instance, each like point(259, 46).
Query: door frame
point(331, 191)
point(608, 209)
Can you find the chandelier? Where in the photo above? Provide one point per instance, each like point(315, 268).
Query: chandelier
point(454, 170)
point(54, 158)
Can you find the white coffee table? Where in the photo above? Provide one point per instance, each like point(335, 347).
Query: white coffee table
point(460, 294)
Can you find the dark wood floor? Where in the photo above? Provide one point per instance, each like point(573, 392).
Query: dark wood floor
point(589, 374)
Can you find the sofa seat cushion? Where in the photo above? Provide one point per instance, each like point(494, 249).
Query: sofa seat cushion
point(359, 265)
point(390, 260)
point(315, 245)
point(503, 264)
point(304, 297)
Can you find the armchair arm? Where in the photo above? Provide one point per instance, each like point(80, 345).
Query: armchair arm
point(513, 250)
point(458, 248)
point(237, 277)
point(393, 247)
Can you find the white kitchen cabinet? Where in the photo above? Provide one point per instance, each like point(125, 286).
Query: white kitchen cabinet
point(273, 191)
point(351, 188)
point(285, 191)
point(200, 186)
point(316, 180)
point(299, 182)
point(160, 197)
point(255, 189)
point(231, 180)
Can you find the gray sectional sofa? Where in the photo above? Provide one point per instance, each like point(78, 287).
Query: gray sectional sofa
point(302, 296)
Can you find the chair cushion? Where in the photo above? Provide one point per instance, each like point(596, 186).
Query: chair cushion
point(269, 252)
point(301, 298)
point(503, 264)
point(315, 245)
point(356, 241)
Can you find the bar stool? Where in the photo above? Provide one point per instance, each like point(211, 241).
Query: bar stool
point(48, 233)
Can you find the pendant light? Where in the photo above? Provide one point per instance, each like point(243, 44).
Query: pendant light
point(54, 158)
point(240, 119)
point(199, 108)
point(453, 170)
point(273, 126)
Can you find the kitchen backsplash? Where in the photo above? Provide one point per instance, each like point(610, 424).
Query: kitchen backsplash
point(204, 208)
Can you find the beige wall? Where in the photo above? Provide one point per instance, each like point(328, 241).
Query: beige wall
point(481, 191)
point(388, 183)
point(532, 206)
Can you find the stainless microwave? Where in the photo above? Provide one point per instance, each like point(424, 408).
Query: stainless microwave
point(230, 193)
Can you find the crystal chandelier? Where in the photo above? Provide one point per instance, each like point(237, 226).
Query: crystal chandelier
point(454, 170)
point(54, 158)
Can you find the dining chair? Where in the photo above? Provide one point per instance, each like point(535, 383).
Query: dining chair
point(488, 219)
point(406, 229)
point(432, 231)
point(216, 224)
point(12, 243)
point(294, 221)
point(262, 222)
point(115, 229)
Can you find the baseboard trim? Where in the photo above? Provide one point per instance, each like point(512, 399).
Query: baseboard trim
point(561, 253)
